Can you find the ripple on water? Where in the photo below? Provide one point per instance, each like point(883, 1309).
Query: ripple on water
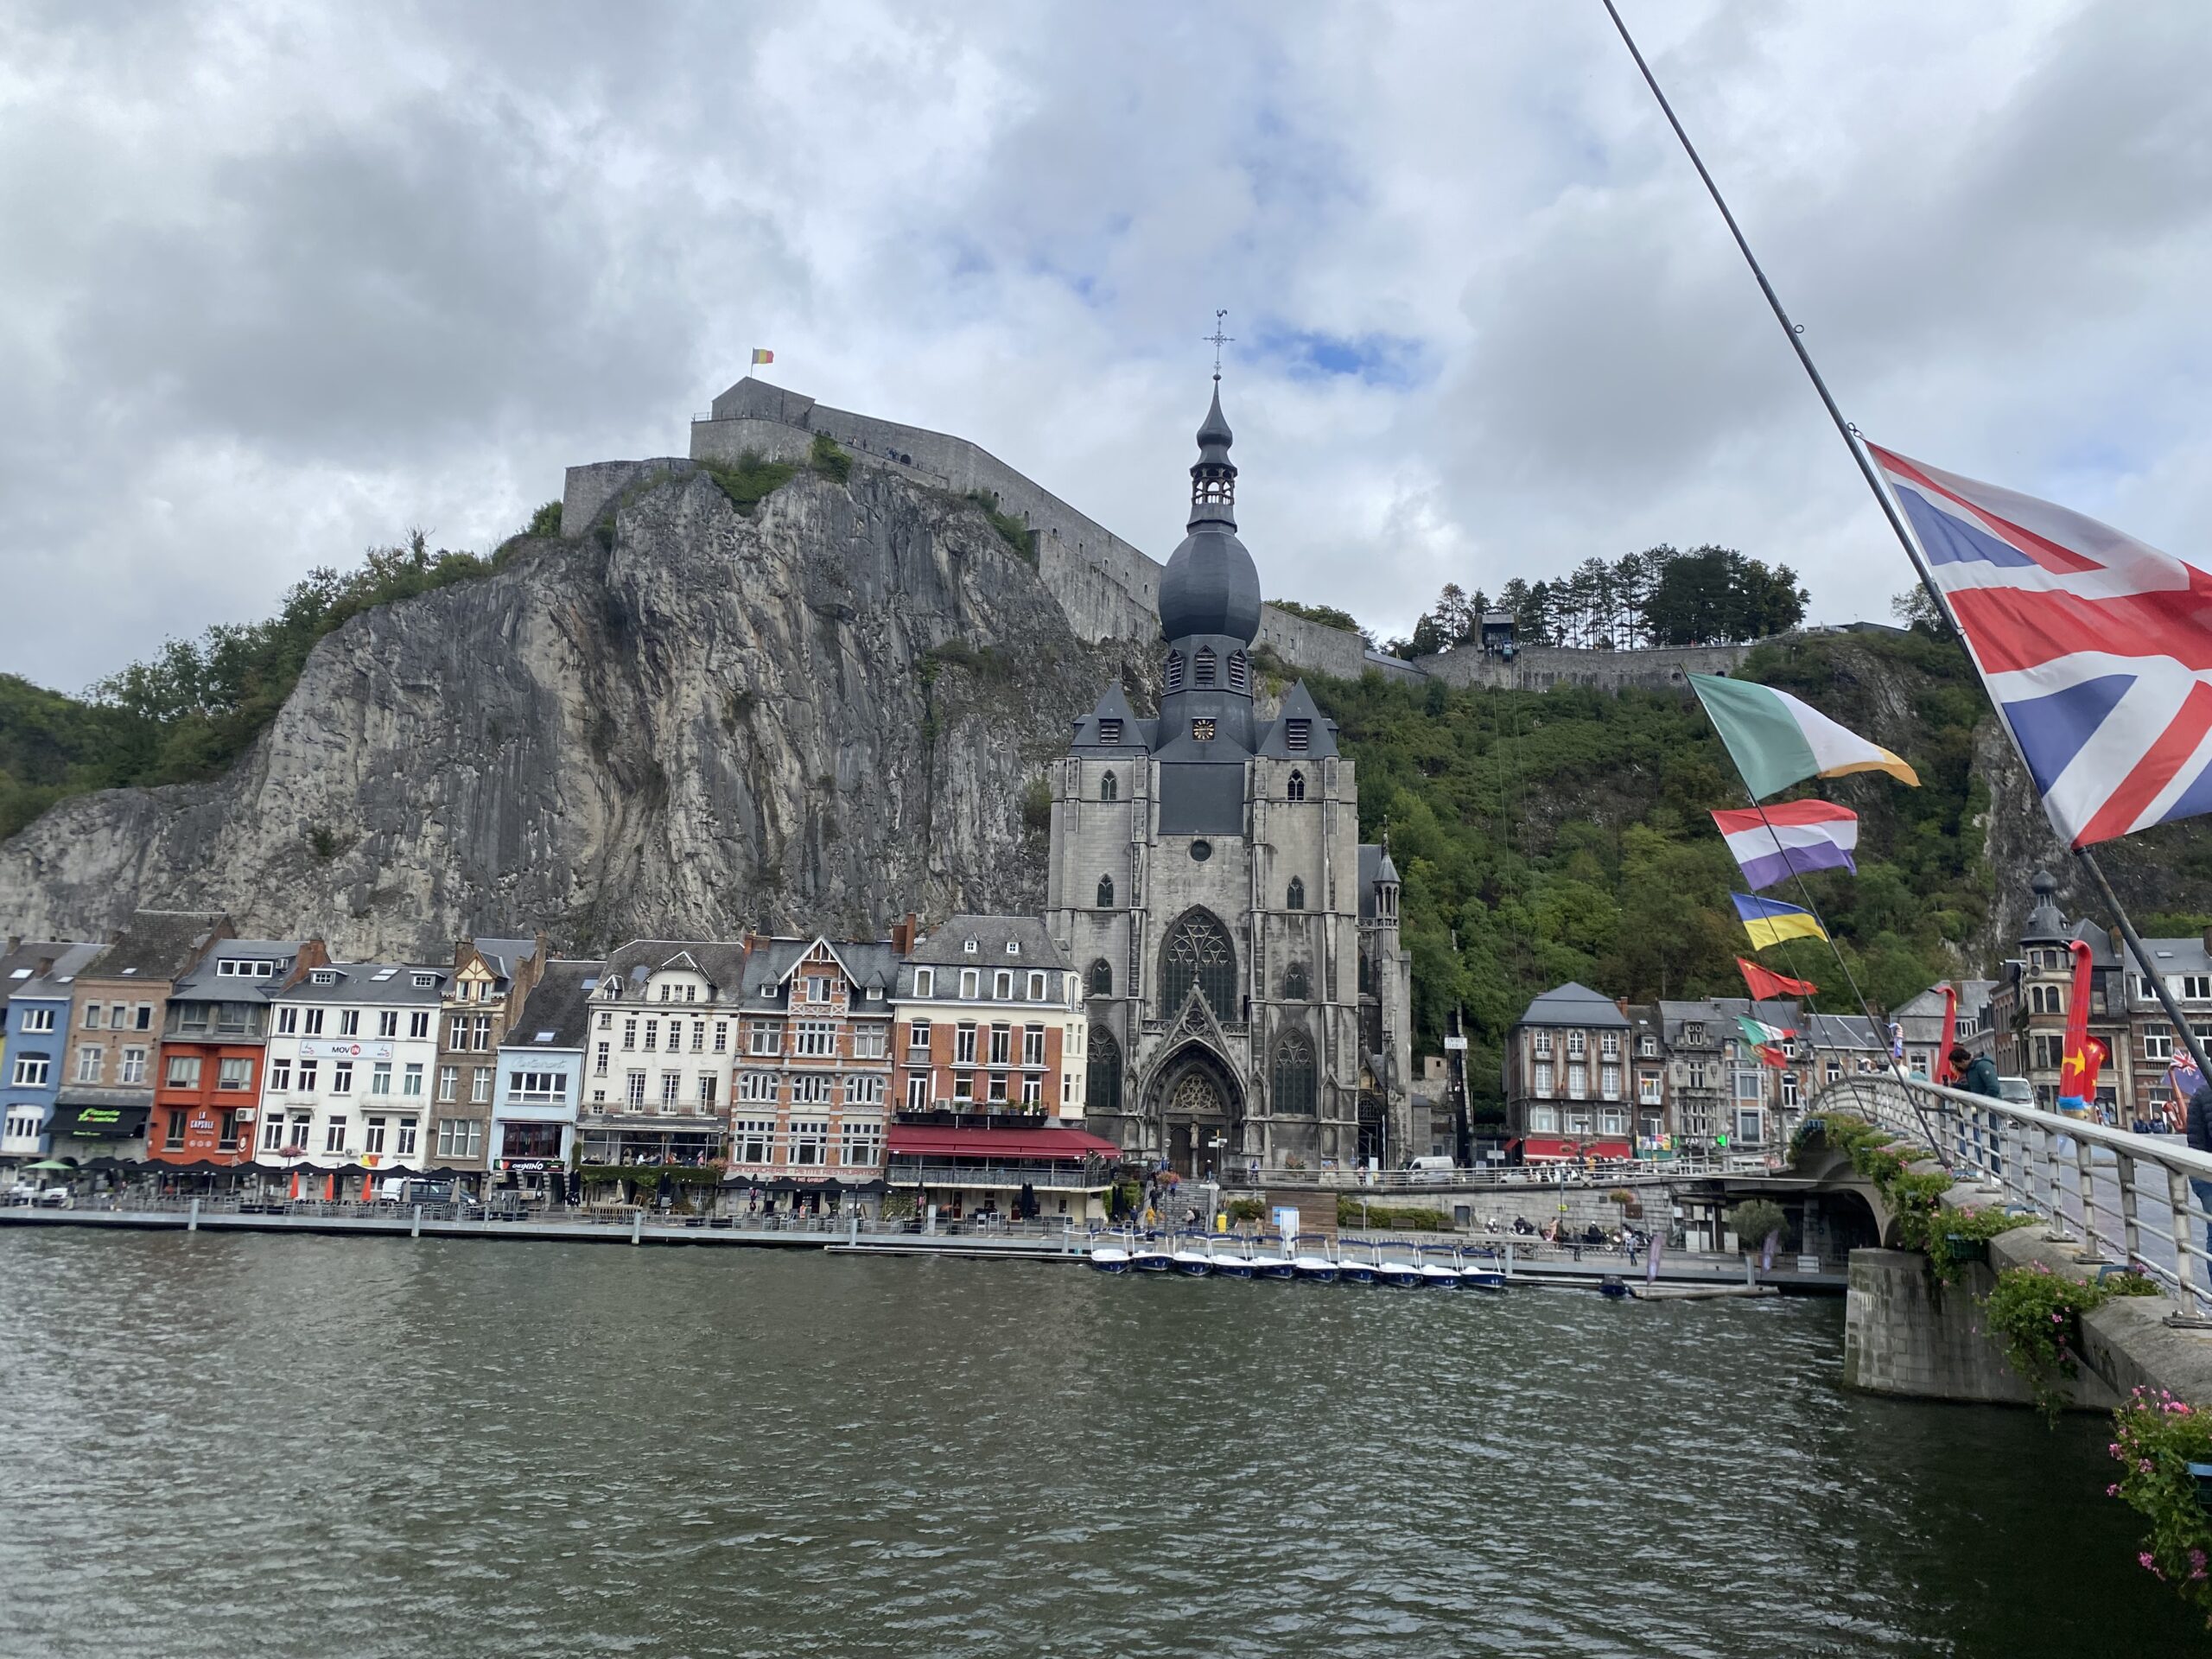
point(245, 1445)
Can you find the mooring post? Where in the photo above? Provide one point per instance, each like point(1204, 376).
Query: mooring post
point(416, 1232)
point(638, 1227)
point(193, 1224)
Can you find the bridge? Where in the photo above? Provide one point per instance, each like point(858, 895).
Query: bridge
point(2100, 1200)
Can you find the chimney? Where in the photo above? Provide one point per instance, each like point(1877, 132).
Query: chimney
point(1621, 1002)
point(903, 934)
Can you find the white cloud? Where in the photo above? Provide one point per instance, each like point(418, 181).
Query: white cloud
point(281, 282)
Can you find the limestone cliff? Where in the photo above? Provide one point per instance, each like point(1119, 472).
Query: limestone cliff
point(690, 719)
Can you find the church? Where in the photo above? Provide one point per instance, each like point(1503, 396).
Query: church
point(1249, 1001)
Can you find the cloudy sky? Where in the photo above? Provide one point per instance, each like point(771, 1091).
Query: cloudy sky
point(278, 282)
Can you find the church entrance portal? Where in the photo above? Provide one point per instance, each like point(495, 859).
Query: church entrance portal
point(1199, 1106)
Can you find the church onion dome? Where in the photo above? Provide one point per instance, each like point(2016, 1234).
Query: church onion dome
point(2045, 921)
point(1211, 585)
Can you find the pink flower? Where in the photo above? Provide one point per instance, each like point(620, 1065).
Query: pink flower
point(2113, 1490)
point(2114, 1448)
point(2149, 1566)
point(2144, 1466)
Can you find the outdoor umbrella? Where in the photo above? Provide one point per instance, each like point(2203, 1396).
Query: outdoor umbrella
point(68, 1164)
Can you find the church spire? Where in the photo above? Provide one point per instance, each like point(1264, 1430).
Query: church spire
point(1213, 480)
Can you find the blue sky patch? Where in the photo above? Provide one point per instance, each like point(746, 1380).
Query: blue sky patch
point(1376, 359)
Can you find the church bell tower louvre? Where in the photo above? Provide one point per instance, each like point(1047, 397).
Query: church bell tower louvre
point(1206, 878)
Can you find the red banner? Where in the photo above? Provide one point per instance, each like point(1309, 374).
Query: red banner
point(2077, 1071)
point(1765, 984)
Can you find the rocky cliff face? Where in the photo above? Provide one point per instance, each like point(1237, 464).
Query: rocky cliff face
point(696, 719)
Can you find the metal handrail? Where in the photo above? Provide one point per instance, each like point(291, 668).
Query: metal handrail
point(2045, 1163)
point(1618, 1171)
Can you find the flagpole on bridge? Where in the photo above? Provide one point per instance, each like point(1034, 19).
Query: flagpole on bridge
point(1796, 334)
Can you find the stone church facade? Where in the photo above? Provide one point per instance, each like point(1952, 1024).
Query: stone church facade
point(1249, 997)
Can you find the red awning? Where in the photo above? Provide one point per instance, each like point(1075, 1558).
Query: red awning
point(927, 1140)
point(1539, 1149)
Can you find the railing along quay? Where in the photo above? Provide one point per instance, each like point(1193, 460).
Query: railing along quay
point(1614, 1171)
point(2129, 1198)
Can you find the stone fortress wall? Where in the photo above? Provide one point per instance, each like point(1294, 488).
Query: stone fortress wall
point(1108, 587)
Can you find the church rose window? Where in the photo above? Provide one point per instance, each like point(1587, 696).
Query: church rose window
point(1295, 897)
point(1292, 1086)
point(1105, 892)
point(1102, 1075)
point(1296, 789)
point(1108, 789)
point(1102, 978)
point(1198, 952)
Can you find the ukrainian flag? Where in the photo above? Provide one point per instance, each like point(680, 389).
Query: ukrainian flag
point(1769, 921)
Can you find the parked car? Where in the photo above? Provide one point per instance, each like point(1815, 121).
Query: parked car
point(26, 1191)
point(405, 1189)
point(2018, 1091)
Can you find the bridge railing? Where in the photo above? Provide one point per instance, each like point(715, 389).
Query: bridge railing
point(1612, 1172)
point(2139, 1199)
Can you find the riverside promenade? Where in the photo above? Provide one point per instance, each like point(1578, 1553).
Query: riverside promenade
point(1525, 1263)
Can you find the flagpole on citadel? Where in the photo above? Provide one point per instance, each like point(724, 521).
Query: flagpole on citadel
point(1796, 333)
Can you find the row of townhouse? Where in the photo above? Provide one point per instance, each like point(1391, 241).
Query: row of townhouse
point(1592, 1076)
point(2020, 1018)
point(955, 1066)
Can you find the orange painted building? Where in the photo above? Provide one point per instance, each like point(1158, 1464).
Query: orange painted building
point(214, 1033)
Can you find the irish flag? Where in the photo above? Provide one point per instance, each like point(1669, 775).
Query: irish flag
point(1773, 843)
point(1776, 741)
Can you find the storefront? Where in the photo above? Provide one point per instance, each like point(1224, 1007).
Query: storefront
point(1009, 1174)
point(88, 1124)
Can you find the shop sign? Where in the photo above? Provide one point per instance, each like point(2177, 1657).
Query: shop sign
point(322, 1050)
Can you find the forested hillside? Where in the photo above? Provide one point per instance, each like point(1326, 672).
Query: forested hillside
point(1563, 835)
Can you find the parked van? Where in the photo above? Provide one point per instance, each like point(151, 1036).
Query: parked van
point(1430, 1164)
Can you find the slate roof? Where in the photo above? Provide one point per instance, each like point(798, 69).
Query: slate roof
point(722, 961)
point(560, 1004)
point(358, 983)
point(50, 967)
point(873, 964)
point(1321, 735)
point(203, 984)
point(157, 944)
point(1571, 1004)
point(947, 947)
point(504, 956)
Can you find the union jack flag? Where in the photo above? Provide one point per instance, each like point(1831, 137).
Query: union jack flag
point(2096, 650)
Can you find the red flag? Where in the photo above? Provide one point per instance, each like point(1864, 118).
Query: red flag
point(1765, 985)
point(2077, 1073)
point(1943, 1069)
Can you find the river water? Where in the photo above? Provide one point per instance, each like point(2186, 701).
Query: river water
point(243, 1444)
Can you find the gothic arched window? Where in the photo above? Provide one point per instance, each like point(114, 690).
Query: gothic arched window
point(1295, 986)
point(1292, 1086)
point(1108, 789)
point(1296, 788)
point(1198, 952)
point(1202, 666)
point(1366, 977)
point(1105, 892)
point(1240, 671)
point(1174, 670)
point(1102, 978)
point(1295, 897)
point(1102, 1075)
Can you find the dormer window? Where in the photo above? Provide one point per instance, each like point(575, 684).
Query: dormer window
point(326, 976)
point(425, 981)
point(1109, 731)
point(1203, 666)
point(1297, 735)
point(1174, 670)
point(1013, 947)
point(925, 982)
point(968, 945)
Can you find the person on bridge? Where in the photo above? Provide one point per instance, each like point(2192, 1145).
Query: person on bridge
point(2200, 1140)
point(1977, 1076)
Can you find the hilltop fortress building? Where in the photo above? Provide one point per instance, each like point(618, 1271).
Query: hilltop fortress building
point(1108, 588)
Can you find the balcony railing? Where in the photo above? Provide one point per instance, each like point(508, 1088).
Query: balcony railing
point(912, 1171)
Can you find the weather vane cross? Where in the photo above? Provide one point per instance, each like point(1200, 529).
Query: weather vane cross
point(1218, 339)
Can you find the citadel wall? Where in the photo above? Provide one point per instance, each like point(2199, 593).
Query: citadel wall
point(1108, 587)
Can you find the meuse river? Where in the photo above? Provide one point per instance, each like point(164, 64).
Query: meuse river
point(283, 1445)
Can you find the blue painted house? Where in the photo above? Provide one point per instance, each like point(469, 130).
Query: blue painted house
point(541, 1080)
point(40, 979)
